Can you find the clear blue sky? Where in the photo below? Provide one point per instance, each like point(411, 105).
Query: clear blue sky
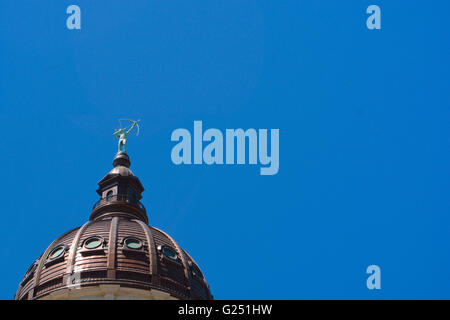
point(364, 137)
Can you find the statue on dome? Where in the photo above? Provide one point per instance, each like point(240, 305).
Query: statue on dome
point(122, 134)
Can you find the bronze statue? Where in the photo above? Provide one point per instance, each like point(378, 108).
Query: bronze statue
point(122, 134)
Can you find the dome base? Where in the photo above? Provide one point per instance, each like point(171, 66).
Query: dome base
point(108, 292)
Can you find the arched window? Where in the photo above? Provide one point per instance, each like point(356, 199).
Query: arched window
point(109, 195)
point(131, 195)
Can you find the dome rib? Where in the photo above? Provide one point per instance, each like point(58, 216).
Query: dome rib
point(193, 261)
point(151, 251)
point(73, 248)
point(42, 261)
point(112, 248)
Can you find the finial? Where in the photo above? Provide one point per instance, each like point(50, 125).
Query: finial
point(122, 134)
point(121, 159)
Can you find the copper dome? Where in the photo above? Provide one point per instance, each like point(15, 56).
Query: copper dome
point(115, 247)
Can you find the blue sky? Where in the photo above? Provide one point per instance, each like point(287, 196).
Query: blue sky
point(364, 138)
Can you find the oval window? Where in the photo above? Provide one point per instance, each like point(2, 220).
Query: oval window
point(109, 195)
point(133, 243)
point(56, 252)
point(196, 271)
point(93, 243)
point(169, 253)
point(31, 269)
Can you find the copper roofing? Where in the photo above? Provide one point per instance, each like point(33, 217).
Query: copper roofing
point(116, 246)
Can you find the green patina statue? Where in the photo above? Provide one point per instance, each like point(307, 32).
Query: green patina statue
point(122, 134)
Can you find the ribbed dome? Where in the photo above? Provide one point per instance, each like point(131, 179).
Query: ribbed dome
point(129, 253)
point(115, 247)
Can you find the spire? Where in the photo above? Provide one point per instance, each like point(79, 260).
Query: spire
point(120, 191)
